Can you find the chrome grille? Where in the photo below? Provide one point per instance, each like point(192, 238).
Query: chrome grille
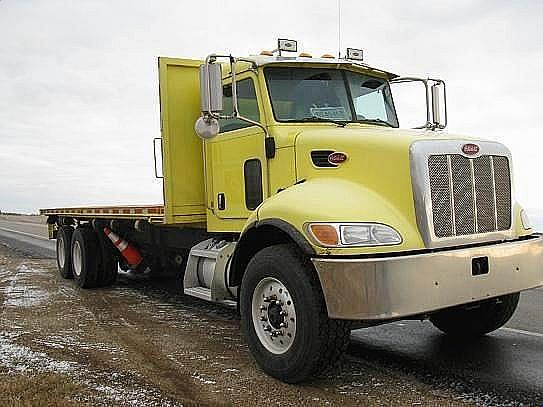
point(502, 180)
point(469, 195)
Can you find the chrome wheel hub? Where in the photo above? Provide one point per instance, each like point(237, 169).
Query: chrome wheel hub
point(274, 315)
point(77, 258)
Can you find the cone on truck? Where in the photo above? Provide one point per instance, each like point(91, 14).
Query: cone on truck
point(128, 251)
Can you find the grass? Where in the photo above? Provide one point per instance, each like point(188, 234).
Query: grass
point(17, 390)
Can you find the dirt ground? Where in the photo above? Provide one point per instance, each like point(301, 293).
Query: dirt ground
point(142, 343)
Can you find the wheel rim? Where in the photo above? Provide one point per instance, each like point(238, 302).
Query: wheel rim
point(61, 252)
point(274, 315)
point(76, 258)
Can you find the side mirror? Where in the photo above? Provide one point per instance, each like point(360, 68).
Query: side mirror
point(436, 112)
point(207, 126)
point(439, 110)
point(211, 88)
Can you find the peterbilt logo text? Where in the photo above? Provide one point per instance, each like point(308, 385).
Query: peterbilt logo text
point(470, 149)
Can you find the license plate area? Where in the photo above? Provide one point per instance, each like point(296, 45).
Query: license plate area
point(479, 266)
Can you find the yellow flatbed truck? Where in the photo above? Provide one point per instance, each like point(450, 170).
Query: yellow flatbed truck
point(291, 192)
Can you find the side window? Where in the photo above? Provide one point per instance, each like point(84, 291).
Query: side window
point(247, 105)
point(252, 171)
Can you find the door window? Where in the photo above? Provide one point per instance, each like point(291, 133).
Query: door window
point(247, 105)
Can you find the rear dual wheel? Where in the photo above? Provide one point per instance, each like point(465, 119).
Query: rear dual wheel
point(86, 256)
point(64, 257)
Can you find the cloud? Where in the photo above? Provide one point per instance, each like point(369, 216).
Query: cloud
point(79, 91)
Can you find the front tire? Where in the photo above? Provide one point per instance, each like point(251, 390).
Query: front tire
point(474, 320)
point(284, 317)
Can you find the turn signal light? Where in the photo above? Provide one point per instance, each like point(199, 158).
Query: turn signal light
point(325, 234)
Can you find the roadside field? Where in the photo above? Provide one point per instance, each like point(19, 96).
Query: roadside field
point(144, 344)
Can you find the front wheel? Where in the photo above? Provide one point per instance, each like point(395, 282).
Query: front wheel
point(284, 317)
point(473, 320)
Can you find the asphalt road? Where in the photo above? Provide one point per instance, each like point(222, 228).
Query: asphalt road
point(503, 368)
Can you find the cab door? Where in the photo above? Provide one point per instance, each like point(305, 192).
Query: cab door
point(237, 157)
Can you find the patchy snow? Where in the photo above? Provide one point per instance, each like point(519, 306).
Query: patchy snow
point(19, 358)
point(21, 291)
point(201, 378)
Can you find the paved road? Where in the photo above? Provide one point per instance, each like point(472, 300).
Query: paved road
point(28, 236)
point(504, 366)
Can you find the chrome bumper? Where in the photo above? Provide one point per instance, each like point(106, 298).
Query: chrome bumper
point(396, 287)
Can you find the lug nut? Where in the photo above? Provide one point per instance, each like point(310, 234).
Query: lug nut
point(263, 318)
point(263, 308)
point(283, 313)
point(283, 325)
point(267, 328)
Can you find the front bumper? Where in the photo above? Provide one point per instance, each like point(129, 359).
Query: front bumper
point(402, 286)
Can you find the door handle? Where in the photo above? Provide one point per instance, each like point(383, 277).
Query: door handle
point(221, 204)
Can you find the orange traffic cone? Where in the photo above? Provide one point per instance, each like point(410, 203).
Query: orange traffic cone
point(129, 252)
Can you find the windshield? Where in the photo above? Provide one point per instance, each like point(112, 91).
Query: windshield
point(315, 94)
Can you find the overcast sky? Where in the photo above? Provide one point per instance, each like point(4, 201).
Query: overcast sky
point(79, 84)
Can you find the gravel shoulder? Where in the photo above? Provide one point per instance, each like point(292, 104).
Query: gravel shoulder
point(143, 343)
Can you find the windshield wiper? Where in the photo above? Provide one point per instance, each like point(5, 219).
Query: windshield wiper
point(375, 121)
point(340, 123)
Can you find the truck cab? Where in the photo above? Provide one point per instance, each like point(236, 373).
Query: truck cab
point(291, 191)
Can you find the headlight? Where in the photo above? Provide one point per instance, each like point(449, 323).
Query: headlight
point(525, 219)
point(353, 234)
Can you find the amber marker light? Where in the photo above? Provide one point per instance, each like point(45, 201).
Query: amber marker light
point(267, 53)
point(325, 234)
point(329, 56)
point(305, 55)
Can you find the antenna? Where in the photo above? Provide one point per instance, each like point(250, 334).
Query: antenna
point(338, 29)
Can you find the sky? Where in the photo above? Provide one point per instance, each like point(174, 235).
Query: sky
point(79, 83)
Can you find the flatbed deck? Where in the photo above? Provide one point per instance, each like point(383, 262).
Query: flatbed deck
point(152, 213)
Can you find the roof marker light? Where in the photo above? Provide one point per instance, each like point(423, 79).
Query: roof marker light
point(327, 56)
point(266, 53)
point(305, 55)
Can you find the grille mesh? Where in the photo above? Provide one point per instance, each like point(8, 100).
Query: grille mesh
point(464, 204)
point(502, 177)
point(440, 192)
point(469, 195)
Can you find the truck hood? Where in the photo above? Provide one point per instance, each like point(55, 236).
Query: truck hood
point(377, 156)
point(375, 180)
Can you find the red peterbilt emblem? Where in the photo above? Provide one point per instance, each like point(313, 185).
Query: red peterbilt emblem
point(470, 149)
point(337, 158)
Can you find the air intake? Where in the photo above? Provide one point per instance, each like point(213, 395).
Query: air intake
point(320, 158)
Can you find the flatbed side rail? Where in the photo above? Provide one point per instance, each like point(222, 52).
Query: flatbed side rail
point(153, 212)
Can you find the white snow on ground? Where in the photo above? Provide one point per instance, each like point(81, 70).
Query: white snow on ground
point(20, 292)
point(21, 359)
